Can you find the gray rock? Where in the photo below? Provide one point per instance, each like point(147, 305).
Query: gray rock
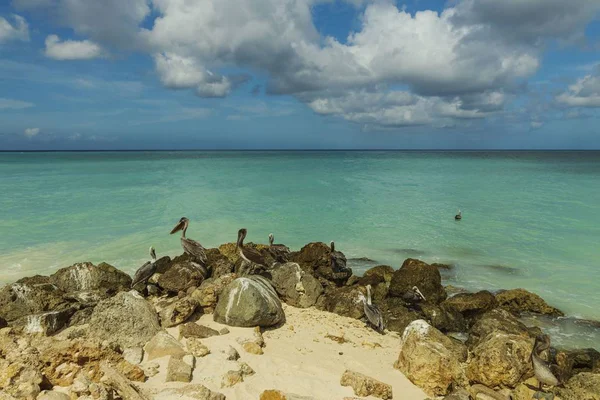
point(133, 355)
point(178, 370)
point(189, 392)
point(184, 273)
point(30, 296)
point(446, 319)
point(196, 347)
point(232, 378)
point(52, 395)
point(192, 329)
point(472, 305)
point(177, 312)
point(296, 287)
point(209, 291)
point(104, 279)
point(247, 302)
point(46, 323)
point(343, 301)
point(397, 317)
point(418, 273)
point(163, 344)
point(316, 258)
point(127, 319)
point(232, 354)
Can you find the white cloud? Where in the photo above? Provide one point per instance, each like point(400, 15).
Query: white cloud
point(31, 132)
point(14, 104)
point(71, 49)
point(18, 30)
point(585, 92)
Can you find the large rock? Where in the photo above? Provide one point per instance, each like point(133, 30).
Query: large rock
point(396, 316)
point(249, 301)
point(177, 312)
point(316, 258)
point(571, 362)
point(498, 321)
point(178, 370)
point(500, 359)
point(189, 392)
point(192, 329)
point(207, 295)
point(418, 273)
point(444, 318)
point(343, 301)
point(218, 264)
point(126, 319)
point(295, 286)
point(430, 359)
point(163, 344)
point(31, 296)
point(583, 386)
point(520, 300)
point(102, 279)
point(366, 386)
point(471, 305)
point(183, 274)
point(46, 323)
point(19, 380)
point(384, 272)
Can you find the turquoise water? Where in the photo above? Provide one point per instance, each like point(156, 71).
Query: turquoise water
point(530, 219)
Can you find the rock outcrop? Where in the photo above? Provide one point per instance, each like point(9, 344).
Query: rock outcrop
point(471, 305)
point(207, 295)
point(497, 321)
point(418, 273)
point(183, 273)
point(583, 386)
point(520, 300)
point(295, 286)
point(177, 312)
point(366, 386)
point(316, 259)
point(343, 301)
point(102, 279)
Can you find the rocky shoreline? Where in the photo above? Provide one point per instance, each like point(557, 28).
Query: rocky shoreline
point(83, 333)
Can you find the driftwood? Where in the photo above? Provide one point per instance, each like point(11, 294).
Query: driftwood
point(121, 384)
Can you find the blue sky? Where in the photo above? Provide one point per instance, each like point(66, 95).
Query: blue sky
point(180, 74)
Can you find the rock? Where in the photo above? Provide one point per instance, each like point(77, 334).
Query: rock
point(133, 355)
point(430, 359)
point(500, 359)
point(229, 250)
point(81, 317)
point(343, 301)
point(30, 296)
point(103, 279)
point(3, 323)
point(458, 394)
point(279, 395)
point(316, 259)
point(126, 319)
point(494, 321)
point(223, 331)
point(232, 354)
point(418, 273)
point(296, 287)
point(218, 263)
point(207, 295)
point(196, 348)
point(252, 348)
point(152, 289)
point(163, 344)
point(46, 323)
point(192, 329)
point(482, 392)
point(444, 318)
point(163, 264)
point(81, 384)
point(151, 369)
point(366, 386)
point(189, 392)
point(231, 378)
point(249, 301)
point(571, 362)
point(246, 370)
point(184, 273)
point(520, 300)
point(384, 272)
point(471, 305)
point(52, 395)
point(396, 316)
point(178, 370)
point(177, 312)
point(19, 380)
point(583, 386)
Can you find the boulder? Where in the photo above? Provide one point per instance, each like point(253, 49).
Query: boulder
point(296, 287)
point(583, 386)
point(196, 347)
point(520, 300)
point(500, 359)
point(316, 259)
point(207, 295)
point(248, 302)
point(163, 344)
point(102, 279)
point(495, 321)
point(218, 264)
point(178, 370)
point(343, 301)
point(192, 329)
point(384, 272)
point(396, 315)
point(126, 319)
point(46, 323)
point(444, 318)
point(189, 392)
point(571, 362)
point(177, 312)
point(184, 273)
point(31, 296)
point(53, 395)
point(19, 380)
point(418, 273)
point(163, 264)
point(471, 305)
point(430, 359)
point(366, 386)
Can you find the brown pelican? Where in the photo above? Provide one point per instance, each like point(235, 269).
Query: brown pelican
point(248, 254)
point(413, 295)
point(541, 368)
point(458, 216)
point(372, 312)
point(190, 246)
point(271, 239)
point(277, 247)
point(145, 271)
point(332, 246)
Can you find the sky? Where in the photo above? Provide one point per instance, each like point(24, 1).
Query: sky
point(299, 74)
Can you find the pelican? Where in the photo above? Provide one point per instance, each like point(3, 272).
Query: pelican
point(372, 312)
point(458, 216)
point(248, 254)
point(271, 239)
point(145, 271)
point(190, 246)
point(332, 246)
point(541, 368)
point(278, 247)
point(413, 295)
point(333, 260)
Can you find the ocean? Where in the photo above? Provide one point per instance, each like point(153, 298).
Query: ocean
point(530, 219)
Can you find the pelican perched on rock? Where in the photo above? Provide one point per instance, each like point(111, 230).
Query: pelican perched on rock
point(248, 254)
point(280, 247)
point(372, 312)
point(541, 368)
point(190, 246)
point(458, 216)
point(413, 295)
point(145, 271)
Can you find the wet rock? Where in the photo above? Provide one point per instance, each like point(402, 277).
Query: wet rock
point(520, 300)
point(196, 348)
point(296, 287)
point(53, 395)
point(192, 329)
point(232, 378)
point(583, 386)
point(103, 279)
point(30, 296)
point(418, 273)
point(189, 392)
point(497, 321)
point(247, 302)
point(126, 319)
point(207, 295)
point(500, 359)
point(178, 370)
point(46, 323)
point(133, 355)
point(379, 288)
point(366, 386)
point(343, 301)
point(430, 359)
point(316, 259)
point(444, 318)
point(177, 312)
point(184, 273)
point(471, 305)
point(163, 344)
point(396, 316)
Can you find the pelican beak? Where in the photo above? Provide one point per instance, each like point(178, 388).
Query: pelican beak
point(177, 227)
point(421, 294)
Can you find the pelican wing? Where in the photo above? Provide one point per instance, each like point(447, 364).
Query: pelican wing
point(374, 316)
point(252, 255)
point(143, 273)
point(194, 248)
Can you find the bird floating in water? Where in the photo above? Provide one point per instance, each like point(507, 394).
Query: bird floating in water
point(248, 254)
point(458, 216)
point(413, 295)
point(190, 246)
point(372, 312)
point(145, 271)
point(541, 368)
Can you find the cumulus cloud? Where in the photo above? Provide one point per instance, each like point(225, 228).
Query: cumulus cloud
point(71, 49)
point(14, 104)
point(585, 92)
point(17, 30)
point(31, 132)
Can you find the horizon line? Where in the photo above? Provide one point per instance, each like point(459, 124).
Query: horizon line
point(290, 150)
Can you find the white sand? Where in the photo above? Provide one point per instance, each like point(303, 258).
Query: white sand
point(298, 358)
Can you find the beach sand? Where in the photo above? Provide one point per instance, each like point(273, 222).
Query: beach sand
point(298, 358)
